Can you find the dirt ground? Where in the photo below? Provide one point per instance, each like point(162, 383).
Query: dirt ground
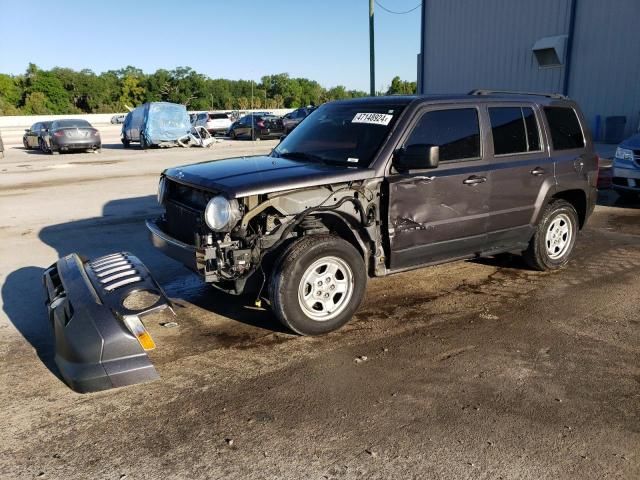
point(479, 369)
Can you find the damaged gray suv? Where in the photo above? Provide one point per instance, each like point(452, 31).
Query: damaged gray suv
point(374, 186)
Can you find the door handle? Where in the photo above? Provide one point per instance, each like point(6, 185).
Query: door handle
point(537, 171)
point(474, 180)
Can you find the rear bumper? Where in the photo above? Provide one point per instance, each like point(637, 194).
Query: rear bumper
point(94, 349)
point(171, 247)
point(76, 144)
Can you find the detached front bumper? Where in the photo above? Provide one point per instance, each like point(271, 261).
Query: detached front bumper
point(90, 304)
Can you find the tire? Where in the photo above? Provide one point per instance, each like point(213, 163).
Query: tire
point(232, 135)
point(42, 146)
point(125, 142)
point(554, 238)
point(26, 144)
point(302, 262)
point(143, 142)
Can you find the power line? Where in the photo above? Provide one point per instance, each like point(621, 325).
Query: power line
point(397, 13)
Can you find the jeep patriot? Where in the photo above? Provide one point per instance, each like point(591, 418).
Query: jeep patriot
point(373, 186)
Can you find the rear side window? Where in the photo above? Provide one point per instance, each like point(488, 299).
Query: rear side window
point(455, 131)
point(564, 127)
point(514, 129)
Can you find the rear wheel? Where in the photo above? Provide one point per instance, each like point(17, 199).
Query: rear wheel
point(317, 284)
point(143, 142)
point(232, 135)
point(554, 238)
point(125, 142)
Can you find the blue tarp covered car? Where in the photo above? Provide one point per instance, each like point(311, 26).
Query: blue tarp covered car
point(156, 123)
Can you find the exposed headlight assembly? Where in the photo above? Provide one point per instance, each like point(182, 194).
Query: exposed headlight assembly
point(162, 189)
point(624, 154)
point(222, 214)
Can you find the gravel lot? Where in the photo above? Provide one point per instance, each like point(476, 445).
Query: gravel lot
point(478, 369)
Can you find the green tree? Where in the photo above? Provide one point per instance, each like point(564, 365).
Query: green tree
point(132, 92)
point(36, 104)
point(401, 87)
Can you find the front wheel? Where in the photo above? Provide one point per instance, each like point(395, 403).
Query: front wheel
point(554, 237)
point(143, 142)
point(317, 284)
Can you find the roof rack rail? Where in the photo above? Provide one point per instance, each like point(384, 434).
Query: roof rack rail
point(479, 91)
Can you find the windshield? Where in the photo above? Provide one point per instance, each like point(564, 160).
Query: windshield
point(339, 133)
point(70, 124)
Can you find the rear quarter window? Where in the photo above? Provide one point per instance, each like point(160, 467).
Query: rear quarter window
point(564, 127)
point(514, 130)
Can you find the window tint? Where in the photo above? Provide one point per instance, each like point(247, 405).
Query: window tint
point(455, 131)
point(565, 128)
point(514, 130)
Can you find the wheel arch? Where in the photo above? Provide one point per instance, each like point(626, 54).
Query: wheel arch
point(577, 198)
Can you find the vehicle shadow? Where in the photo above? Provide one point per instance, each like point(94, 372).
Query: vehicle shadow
point(23, 303)
point(609, 198)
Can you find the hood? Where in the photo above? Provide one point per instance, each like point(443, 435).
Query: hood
point(243, 176)
point(632, 142)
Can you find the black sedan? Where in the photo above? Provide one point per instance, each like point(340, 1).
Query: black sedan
point(68, 135)
point(257, 127)
point(32, 137)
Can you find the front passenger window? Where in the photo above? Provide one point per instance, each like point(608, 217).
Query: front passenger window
point(456, 131)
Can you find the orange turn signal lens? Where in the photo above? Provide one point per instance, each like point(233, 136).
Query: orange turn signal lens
point(136, 327)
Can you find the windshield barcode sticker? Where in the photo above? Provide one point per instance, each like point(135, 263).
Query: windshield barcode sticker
point(373, 118)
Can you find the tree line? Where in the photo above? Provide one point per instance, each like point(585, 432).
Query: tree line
point(66, 91)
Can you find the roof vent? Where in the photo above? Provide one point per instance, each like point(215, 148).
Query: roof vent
point(549, 51)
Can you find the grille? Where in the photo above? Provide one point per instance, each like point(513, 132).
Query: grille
point(188, 196)
point(181, 222)
point(184, 210)
point(115, 271)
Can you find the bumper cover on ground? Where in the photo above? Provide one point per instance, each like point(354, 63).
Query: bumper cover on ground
point(87, 302)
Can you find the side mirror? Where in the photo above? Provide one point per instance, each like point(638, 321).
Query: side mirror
point(416, 157)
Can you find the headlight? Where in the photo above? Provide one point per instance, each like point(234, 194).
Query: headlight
point(222, 214)
point(624, 154)
point(162, 190)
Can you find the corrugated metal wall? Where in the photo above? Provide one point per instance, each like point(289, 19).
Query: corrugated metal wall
point(487, 44)
point(605, 69)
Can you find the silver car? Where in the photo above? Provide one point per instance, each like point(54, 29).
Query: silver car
point(67, 135)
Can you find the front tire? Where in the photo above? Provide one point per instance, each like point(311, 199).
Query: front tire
point(143, 142)
point(554, 238)
point(317, 284)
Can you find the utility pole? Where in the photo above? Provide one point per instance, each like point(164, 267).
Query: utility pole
point(372, 54)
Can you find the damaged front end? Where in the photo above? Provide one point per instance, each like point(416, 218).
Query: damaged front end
point(227, 251)
point(95, 308)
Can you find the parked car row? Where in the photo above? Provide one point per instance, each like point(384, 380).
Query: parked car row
point(61, 136)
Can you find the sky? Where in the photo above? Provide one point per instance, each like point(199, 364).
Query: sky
point(323, 40)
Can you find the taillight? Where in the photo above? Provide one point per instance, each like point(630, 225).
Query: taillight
point(58, 133)
point(96, 133)
point(260, 124)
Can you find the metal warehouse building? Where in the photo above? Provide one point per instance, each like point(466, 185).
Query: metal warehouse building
point(586, 49)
